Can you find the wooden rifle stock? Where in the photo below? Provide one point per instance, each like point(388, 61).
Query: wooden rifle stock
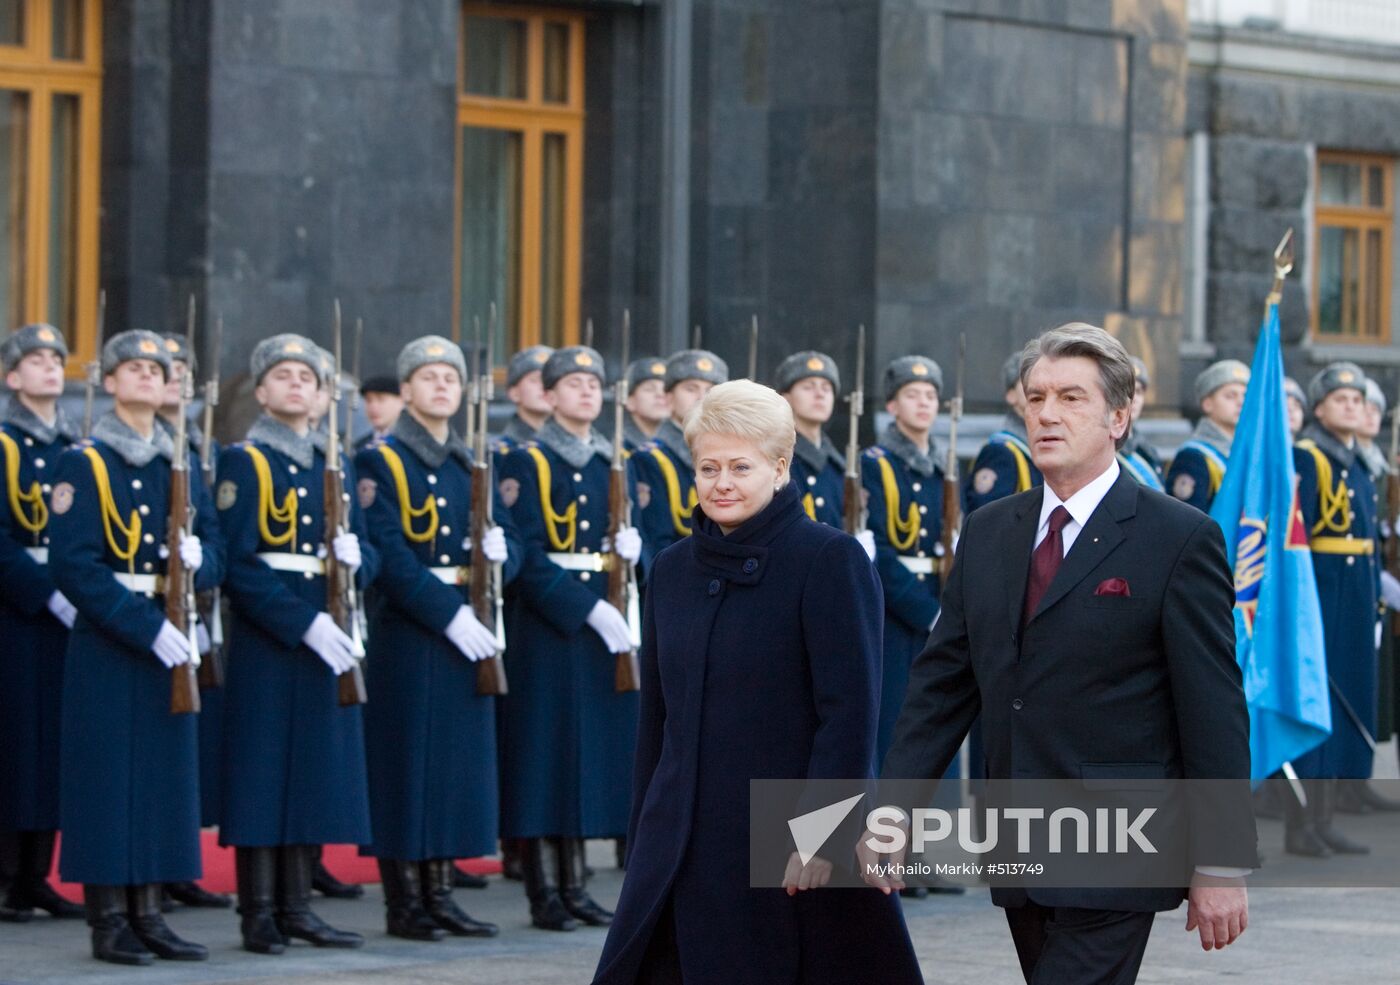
point(340, 582)
point(854, 513)
point(179, 592)
point(622, 575)
point(486, 588)
point(952, 498)
point(491, 671)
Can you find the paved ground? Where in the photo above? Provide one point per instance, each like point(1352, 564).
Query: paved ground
point(1317, 936)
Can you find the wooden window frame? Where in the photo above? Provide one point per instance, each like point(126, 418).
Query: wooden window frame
point(1364, 219)
point(31, 68)
point(532, 118)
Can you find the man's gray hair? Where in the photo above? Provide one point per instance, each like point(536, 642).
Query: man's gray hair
point(1117, 377)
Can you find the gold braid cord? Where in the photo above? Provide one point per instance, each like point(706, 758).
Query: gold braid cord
point(407, 512)
point(111, 518)
point(29, 508)
point(268, 512)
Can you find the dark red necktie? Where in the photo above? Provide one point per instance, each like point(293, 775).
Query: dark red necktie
point(1045, 561)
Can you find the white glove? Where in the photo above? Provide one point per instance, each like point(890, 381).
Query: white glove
point(62, 609)
point(608, 623)
point(629, 544)
point(468, 635)
point(330, 642)
point(171, 645)
point(201, 636)
point(867, 540)
point(191, 551)
point(493, 545)
point(347, 551)
point(1390, 590)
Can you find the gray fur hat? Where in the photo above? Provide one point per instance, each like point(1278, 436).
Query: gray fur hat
point(31, 338)
point(135, 344)
point(431, 349)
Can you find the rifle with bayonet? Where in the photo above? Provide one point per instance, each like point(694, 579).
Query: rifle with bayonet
point(753, 348)
point(1392, 507)
point(486, 590)
point(211, 669)
point(622, 574)
point(854, 513)
point(952, 492)
point(348, 452)
point(180, 606)
point(341, 597)
point(93, 378)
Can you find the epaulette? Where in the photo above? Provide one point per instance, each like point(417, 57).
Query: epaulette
point(874, 451)
point(85, 443)
point(240, 444)
point(648, 446)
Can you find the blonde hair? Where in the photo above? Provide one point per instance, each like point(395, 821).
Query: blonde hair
point(747, 410)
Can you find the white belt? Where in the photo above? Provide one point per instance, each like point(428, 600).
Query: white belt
point(142, 584)
point(918, 565)
point(303, 563)
point(39, 554)
point(581, 562)
point(452, 575)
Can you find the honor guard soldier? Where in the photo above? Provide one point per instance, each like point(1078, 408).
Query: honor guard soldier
point(647, 406)
point(430, 736)
point(1199, 466)
point(1338, 504)
point(130, 766)
point(294, 758)
point(383, 405)
point(662, 468)
point(1004, 465)
point(902, 477)
point(211, 700)
point(810, 382)
point(1297, 402)
point(34, 617)
point(1137, 456)
point(525, 389)
point(566, 733)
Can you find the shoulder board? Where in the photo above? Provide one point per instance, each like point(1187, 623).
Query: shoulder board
point(86, 443)
point(648, 446)
point(874, 451)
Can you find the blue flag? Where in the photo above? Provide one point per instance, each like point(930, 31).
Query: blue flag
point(1278, 620)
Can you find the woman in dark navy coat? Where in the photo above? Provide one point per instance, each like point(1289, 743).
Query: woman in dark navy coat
point(760, 659)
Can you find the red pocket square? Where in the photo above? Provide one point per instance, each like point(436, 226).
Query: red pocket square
point(1113, 586)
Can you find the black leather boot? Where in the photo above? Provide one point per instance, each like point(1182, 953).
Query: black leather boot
point(511, 867)
point(403, 902)
point(1324, 805)
point(328, 885)
point(29, 888)
point(1299, 834)
point(572, 877)
point(257, 896)
point(112, 937)
point(149, 925)
point(462, 879)
point(193, 894)
point(539, 867)
point(294, 916)
point(438, 877)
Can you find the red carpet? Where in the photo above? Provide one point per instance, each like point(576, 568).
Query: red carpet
point(345, 862)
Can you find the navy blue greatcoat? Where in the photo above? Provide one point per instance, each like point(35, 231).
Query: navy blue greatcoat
point(293, 758)
point(819, 473)
point(430, 738)
point(31, 670)
point(1348, 582)
point(130, 783)
point(566, 735)
point(911, 596)
point(760, 659)
point(665, 487)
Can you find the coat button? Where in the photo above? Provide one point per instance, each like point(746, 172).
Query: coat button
point(1351, 560)
point(292, 469)
point(918, 487)
point(578, 476)
point(750, 566)
point(583, 524)
point(432, 480)
point(135, 483)
point(441, 501)
point(444, 530)
point(811, 480)
point(583, 500)
point(714, 586)
point(1017, 704)
point(143, 509)
point(820, 501)
point(38, 463)
point(301, 492)
point(923, 509)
